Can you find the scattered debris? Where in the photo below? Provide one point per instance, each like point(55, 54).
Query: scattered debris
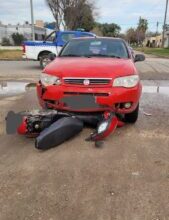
point(112, 193)
point(135, 173)
point(147, 114)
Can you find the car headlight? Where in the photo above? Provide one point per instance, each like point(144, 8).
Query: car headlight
point(48, 80)
point(127, 81)
point(102, 127)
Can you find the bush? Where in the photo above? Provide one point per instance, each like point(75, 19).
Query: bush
point(5, 42)
point(17, 39)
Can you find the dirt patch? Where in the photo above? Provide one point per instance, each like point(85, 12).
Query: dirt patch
point(10, 55)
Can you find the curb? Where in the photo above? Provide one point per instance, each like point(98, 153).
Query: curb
point(13, 60)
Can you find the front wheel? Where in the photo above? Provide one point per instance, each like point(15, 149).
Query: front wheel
point(133, 116)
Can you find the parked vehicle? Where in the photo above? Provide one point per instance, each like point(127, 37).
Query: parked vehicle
point(39, 50)
point(93, 75)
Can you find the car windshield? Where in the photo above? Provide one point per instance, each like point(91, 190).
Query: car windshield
point(95, 48)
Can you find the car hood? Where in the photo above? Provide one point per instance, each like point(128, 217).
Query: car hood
point(91, 67)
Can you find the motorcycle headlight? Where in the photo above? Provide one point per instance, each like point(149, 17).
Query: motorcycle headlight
point(102, 127)
point(48, 80)
point(127, 81)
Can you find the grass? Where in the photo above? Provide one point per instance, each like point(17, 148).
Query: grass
point(11, 54)
point(160, 52)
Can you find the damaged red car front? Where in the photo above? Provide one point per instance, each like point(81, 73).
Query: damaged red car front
point(93, 75)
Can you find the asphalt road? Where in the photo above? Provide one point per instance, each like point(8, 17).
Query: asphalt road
point(126, 179)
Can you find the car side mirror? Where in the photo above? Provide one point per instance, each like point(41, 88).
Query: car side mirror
point(52, 56)
point(139, 58)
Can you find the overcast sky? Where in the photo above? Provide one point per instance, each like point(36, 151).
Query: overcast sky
point(123, 12)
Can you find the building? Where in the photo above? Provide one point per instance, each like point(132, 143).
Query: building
point(39, 23)
point(24, 29)
point(153, 41)
point(156, 41)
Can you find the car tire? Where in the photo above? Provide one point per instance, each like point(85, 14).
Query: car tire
point(133, 116)
point(44, 60)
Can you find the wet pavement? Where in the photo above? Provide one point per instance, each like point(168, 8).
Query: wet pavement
point(12, 88)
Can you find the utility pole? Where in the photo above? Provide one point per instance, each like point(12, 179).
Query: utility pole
point(164, 26)
point(157, 28)
point(32, 21)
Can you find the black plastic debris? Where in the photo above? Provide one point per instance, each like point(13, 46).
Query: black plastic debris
point(59, 132)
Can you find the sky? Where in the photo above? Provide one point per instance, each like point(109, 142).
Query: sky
point(123, 12)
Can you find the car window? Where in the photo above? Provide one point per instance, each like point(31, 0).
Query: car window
point(96, 48)
point(51, 37)
point(67, 36)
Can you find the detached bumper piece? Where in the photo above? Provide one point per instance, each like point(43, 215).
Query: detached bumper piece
point(52, 128)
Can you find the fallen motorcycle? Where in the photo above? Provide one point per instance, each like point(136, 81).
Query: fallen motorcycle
point(52, 128)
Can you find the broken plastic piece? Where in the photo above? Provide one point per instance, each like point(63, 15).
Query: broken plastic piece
point(147, 114)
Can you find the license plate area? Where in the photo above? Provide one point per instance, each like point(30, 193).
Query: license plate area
point(80, 101)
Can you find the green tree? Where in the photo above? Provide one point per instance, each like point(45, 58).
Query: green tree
point(17, 39)
point(109, 30)
point(141, 29)
point(131, 36)
point(72, 14)
point(142, 25)
point(83, 16)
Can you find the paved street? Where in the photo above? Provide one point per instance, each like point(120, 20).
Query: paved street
point(19, 70)
point(154, 69)
point(126, 179)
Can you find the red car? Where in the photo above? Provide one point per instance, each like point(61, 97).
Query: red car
point(93, 75)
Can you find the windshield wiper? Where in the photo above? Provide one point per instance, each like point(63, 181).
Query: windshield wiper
point(113, 56)
point(102, 55)
point(90, 56)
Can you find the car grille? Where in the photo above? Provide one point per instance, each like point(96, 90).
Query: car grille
point(91, 81)
point(83, 93)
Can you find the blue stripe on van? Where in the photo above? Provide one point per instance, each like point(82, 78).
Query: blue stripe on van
point(40, 43)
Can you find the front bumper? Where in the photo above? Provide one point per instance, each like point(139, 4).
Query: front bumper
point(89, 99)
